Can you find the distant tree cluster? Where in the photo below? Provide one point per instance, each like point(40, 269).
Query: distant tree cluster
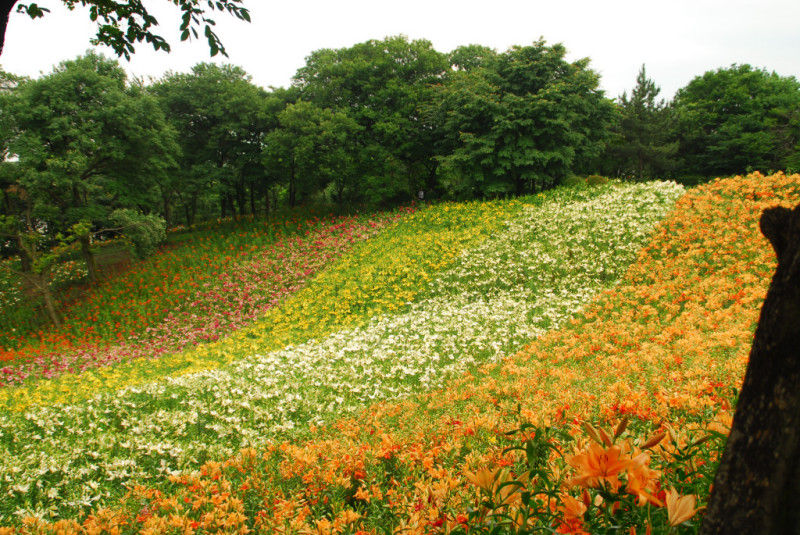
point(725, 122)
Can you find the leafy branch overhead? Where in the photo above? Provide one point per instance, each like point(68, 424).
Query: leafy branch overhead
point(121, 25)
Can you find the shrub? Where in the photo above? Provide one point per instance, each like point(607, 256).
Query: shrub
point(596, 180)
point(145, 232)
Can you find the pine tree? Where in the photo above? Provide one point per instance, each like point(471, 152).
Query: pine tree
point(646, 142)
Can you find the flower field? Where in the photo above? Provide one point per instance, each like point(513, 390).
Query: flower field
point(183, 297)
point(609, 327)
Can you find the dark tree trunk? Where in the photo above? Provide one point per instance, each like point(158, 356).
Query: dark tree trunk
point(241, 197)
point(5, 10)
point(43, 285)
point(88, 257)
point(191, 210)
point(757, 486)
point(253, 200)
point(292, 188)
point(167, 200)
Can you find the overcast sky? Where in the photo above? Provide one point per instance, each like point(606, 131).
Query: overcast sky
point(676, 40)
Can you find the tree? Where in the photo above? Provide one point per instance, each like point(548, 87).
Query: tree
point(468, 57)
point(383, 85)
point(736, 119)
point(121, 25)
point(758, 480)
point(311, 149)
point(521, 122)
point(647, 145)
point(221, 119)
point(87, 145)
point(36, 255)
point(8, 83)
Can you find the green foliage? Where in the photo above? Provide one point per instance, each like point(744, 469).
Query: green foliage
point(310, 149)
point(121, 25)
point(735, 119)
point(646, 145)
point(572, 181)
point(220, 118)
point(383, 86)
point(87, 143)
point(8, 82)
point(369, 125)
point(469, 57)
point(520, 122)
point(144, 231)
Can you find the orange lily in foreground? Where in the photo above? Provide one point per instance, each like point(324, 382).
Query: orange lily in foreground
point(680, 508)
point(597, 466)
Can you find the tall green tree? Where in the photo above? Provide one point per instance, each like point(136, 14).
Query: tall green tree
point(738, 118)
point(383, 85)
point(311, 149)
point(38, 257)
point(8, 82)
point(647, 144)
point(87, 145)
point(520, 122)
point(221, 118)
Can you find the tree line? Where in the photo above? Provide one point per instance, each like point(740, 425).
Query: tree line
point(84, 149)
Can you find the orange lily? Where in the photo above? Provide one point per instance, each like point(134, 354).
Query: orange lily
point(680, 508)
point(597, 466)
point(642, 484)
point(572, 521)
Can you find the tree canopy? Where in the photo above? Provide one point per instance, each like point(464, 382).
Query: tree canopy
point(738, 118)
point(519, 121)
point(220, 118)
point(121, 25)
point(646, 145)
point(383, 85)
point(87, 144)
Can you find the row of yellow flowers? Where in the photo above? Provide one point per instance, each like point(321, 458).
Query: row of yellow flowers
point(666, 348)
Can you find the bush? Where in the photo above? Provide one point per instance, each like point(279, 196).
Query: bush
point(596, 180)
point(573, 180)
point(145, 232)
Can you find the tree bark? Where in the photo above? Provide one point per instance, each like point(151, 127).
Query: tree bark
point(47, 296)
point(757, 485)
point(253, 201)
point(166, 197)
point(5, 11)
point(88, 257)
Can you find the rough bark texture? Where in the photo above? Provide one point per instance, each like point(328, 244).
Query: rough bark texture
point(757, 486)
point(88, 257)
point(5, 11)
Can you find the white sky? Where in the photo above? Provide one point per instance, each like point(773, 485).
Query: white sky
point(676, 39)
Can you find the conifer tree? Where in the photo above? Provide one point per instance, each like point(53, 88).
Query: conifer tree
point(646, 146)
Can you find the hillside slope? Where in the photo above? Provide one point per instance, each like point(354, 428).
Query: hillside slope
point(664, 345)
